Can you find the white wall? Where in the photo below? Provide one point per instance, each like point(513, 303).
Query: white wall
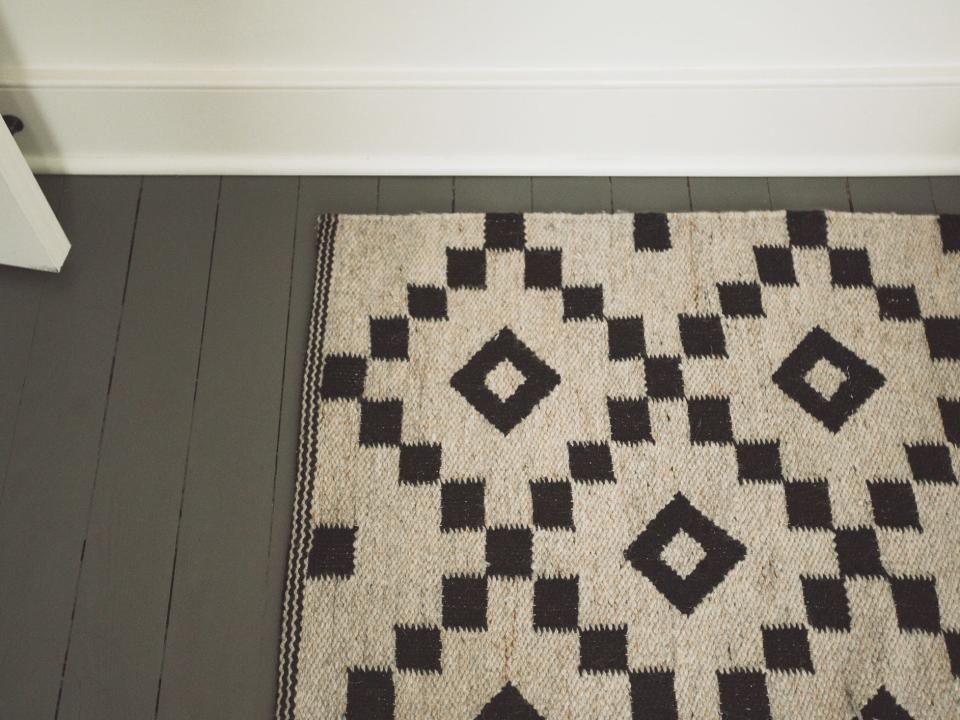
point(604, 34)
point(600, 86)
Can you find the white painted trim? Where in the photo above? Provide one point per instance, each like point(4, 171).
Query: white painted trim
point(508, 166)
point(671, 121)
point(489, 78)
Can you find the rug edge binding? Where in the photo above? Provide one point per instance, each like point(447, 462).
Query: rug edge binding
point(326, 228)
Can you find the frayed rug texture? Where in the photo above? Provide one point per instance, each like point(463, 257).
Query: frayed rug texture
point(629, 466)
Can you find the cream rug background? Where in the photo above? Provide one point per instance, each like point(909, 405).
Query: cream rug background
point(629, 466)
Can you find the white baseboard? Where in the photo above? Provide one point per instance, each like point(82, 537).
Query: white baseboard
point(781, 121)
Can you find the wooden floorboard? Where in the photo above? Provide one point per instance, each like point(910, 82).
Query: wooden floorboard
point(213, 664)
point(652, 194)
point(113, 666)
point(907, 195)
point(415, 194)
point(20, 292)
point(19, 301)
point(348, 194)
point(946, 194)
point(46, 498)
point(492, 194)
point(717, 194)
point(815, 193)
point(572, 194)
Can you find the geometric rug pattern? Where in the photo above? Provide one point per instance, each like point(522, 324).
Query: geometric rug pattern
point(628, 466)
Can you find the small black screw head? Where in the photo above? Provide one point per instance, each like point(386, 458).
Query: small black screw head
point(14, 124)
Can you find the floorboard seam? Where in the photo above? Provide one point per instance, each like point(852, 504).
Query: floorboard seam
point(96, 468)
point(689, 195)
point(283, 380)
point(186, 460)
point(933, 195)
point(846, 187)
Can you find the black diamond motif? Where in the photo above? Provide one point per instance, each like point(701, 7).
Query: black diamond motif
point(418, 649)
point(509, 704)
point(721, 554)
point(883, 706)
point(916, 603)
point(505, 414)
point(743, 695)
point(332, 552)
point(861, 379)
point(786, 649)
point(603, 649)
point(370, 694)
point(826, 601)
point(894, 505)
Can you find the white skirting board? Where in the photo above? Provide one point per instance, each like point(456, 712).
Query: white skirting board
point(872, 121)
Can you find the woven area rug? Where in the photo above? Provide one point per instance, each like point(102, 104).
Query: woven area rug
point(629, 466)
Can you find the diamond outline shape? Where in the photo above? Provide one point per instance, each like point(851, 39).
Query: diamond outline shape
point(721, 554)
point(539, 381)
point(862, 379)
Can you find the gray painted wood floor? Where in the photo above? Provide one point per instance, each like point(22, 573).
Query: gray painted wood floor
point(149, 400)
